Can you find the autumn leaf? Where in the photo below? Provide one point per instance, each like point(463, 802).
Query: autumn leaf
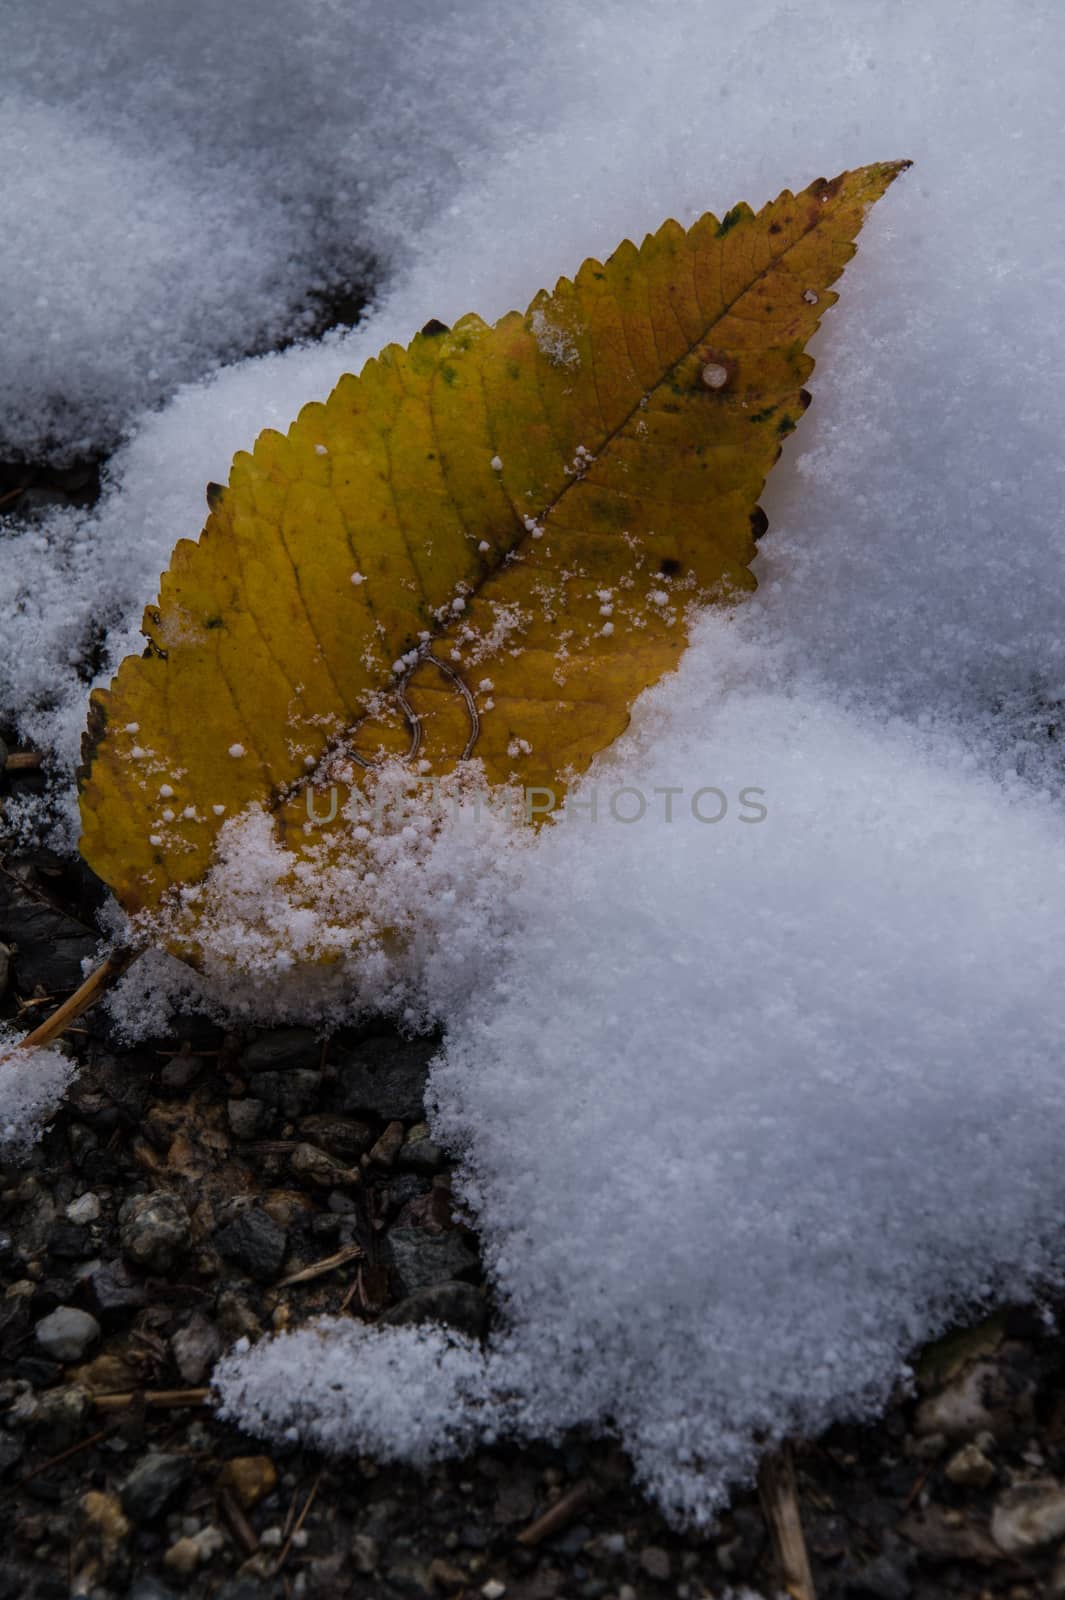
point(481, 548)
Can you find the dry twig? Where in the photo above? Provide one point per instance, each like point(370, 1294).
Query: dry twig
point(780, 1507)
point(95, 986)
point(154, 1399)
point(318, 1269)
point(557, 1516)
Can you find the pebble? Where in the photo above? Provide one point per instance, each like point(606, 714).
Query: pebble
point(67, 1334)
point(154, 1230)
point(247, 1118)
point(292, 1093)
point(251, 1478)
point(236, 1318)
point(656, 1562)
point(114, 1291)
point(188, 1552)
point(153, 1483)
point(387, 1076)
point(420, 1154)
point(86, 1208)
point(1029, 1515)
point(99, 1547)
point(992, 1395)
point(388, 1145)
point(195, 1347)
point(344, 1137)
point(284, 1047)
point(365, 1553)
point(456, 1305)
point(316, 1167)
point(255, 1243)
point(970, 1468)
point(420, 1259)
point(493, 1589)
point(445, 1575)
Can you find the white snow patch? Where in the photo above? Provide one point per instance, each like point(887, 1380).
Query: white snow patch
point(778, 1096)
point(411, 1394)
point(180, 182)
point(32, 1084)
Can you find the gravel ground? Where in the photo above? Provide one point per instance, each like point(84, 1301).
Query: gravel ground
point(169, 1210)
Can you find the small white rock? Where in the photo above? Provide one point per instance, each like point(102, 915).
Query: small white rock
point(1029, 1515)
point(86, 1208)
point(67, 1334)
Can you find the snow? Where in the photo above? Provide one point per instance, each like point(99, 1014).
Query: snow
point(180, 184)
point(415, 1392)
point(750, 1106)
point(32, 1086)
point(746, 1109)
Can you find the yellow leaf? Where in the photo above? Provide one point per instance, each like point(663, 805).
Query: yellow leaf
point(484, 546)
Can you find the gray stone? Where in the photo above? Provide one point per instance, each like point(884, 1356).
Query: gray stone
point(70, 1241)
point(247, 1118)
point(286, 1047)
point(255, 1243)
point(656, 1562)
point(113, 1290)
point(457, 1305)
point(50, 945)
point(420, 1259)
point(86, 1208)
point(196, 1348)
point(155, 1230)
point(153, 1483)
point(420, 1155)
point(387, 1076)
point(344, 1137)
point(148, 1588)
point(67, 1334)
point(292, 1093)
